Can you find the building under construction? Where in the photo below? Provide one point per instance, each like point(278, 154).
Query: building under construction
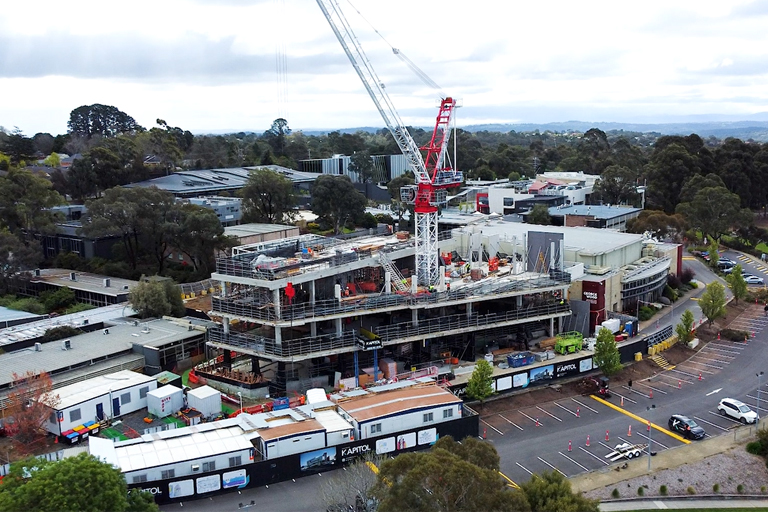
point(312, 311)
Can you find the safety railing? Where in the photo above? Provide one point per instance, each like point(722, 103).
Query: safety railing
point(288, 348)
point(457, 322)
point(244, 306)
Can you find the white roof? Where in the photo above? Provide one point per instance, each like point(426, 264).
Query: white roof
point(164, 391)
point(163, 451)
point(85, 390)
point(332, 421)
point(203, 392)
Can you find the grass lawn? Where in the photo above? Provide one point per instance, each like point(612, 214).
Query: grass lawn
point(708, 509)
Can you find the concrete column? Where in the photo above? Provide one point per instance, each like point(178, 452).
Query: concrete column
point(228, 358)
point(225, 324)
point(339, 328)
point(414, 284)
point(387, 283)
point(519, 300)
point(276, 302)
point(312, 292)
point(313, 329)
point(337, 292)
point(551, 326)
point(415, 317)
point(255, 365)
point(279, 335)
point(441, 287)
point(469, 309)
point(224, 286)
point(278, 384)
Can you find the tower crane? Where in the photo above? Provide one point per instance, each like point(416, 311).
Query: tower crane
point(433, 176)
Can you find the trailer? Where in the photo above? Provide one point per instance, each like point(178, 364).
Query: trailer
point(627, 451)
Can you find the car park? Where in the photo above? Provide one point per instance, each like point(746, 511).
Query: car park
point(737, 410)
point(686, 426)
point(751, 279)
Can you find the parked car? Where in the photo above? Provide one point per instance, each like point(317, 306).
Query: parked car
point(686, 426)
point(737, 410)
point(750, 279)
point(725, 264)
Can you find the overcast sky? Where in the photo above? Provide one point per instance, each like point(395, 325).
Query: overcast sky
point(212, 65)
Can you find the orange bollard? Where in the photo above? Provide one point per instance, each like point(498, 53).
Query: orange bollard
point(650, 394)
point(485, 433)
point(629, 432)
point(587, 440)
point(569, 446)
point(606, 435)
point(679, 384)
point(622, 401)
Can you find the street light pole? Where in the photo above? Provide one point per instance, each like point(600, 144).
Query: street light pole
point(759, 385)
point(241, 401)
point(650, 436)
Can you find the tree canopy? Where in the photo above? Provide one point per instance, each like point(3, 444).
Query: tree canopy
point(480, 384)
point(336, 201)
point(539, 215)
point(607, 356)
point(736, 283)
point(712, 302)
point(155, 297)
point(104, 120)
point(714, 211)
point(269, 198)
point(75, 484)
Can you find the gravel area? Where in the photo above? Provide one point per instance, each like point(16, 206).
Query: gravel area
point(728, 469)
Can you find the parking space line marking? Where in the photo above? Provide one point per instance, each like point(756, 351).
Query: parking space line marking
point(665, 375)
point(549, 414)
point(592, 455)
point(510, 422)
point(638, 418)
point(757, 406)
point(698, 370)
point(713, 344)
point(565, 408)
point(511, 483)
point(725, 417)
point(532, 419)
point(553, 467)
point(570, 459)
point(642, 434)
point(632, 390)
point(710, 423)
point(705, 349)
point(653, 388)
point(674, 386)
point(524, 468)
point(705, 364)
point(699, 356)
point(585, 406)
point(494, 428)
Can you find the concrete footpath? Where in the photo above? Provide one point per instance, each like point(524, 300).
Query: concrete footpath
point(684, 503)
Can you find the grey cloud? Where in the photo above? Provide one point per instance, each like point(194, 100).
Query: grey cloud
point(191, 58)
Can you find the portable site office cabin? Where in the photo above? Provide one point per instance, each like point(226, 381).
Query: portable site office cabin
point(165, 401)
point(94, 400)
point(205, 399)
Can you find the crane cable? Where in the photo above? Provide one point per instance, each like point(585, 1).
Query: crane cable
point(421, 74)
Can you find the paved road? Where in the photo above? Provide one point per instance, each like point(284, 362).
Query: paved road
point(697, 504)
point(692, 388)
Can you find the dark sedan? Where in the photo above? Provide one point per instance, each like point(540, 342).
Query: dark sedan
point(686, 426)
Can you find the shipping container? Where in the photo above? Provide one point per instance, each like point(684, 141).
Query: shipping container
point(205, 399)
point(165, 401)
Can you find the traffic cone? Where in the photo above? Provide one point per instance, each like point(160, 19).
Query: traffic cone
point(577, 412)
point(587, 440)
point(649, 426)
point(650, 394)
point(699, 375)
point(679, 384)
point(622, 401)
point(569, 446)
point(606, 435)
point(629, 432)
point(537, 422)
point(753, 334)
point(718, 336)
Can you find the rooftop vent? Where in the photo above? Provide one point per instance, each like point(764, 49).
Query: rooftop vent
point(66, 344)
point(72, 276)
point(38, 347)
point(107, 282)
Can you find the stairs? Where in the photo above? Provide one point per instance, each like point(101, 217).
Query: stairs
point(394, 274)
point(662, 362)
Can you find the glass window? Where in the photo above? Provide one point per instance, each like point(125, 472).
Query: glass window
point(509, 201)
point(428, 417)
point(235, 461)
point(376, 428)
point(209, 466)
point(168, 473)
point(74, 415)
point(447, 413)
point(125, 398)
point(143, 392)
point(138, 479)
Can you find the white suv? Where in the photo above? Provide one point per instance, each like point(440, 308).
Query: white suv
point(737, 410)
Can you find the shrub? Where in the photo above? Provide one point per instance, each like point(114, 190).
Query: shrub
point(755, 448)
point(733, 334)
point(740, 488)
point(686, 276)
point(716, 488)
point(673, 281)
point(640, 491)
point(615, 494)
point(646, 313)
point(690, 490)
point(663, 490)
point(693, 284)
point(762, 488)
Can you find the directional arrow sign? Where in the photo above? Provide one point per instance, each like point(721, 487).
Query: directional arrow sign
point(715, 391)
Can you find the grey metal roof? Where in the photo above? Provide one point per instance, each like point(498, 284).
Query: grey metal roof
point(596, 211)
point(84, 281)
point(8, 315)
point(254, 229)
point(91, 346)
